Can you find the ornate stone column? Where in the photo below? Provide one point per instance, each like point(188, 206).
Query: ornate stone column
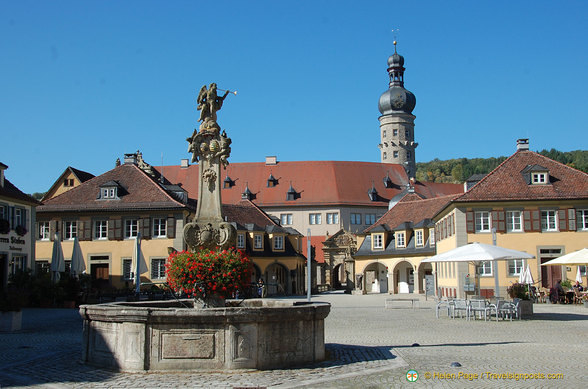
point(212, 149)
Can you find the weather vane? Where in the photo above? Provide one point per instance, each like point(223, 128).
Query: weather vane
point(394, 31)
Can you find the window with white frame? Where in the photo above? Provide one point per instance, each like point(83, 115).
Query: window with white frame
point(332, 218)
point(539, 178)
point(482, 219)
point(549, 220)
point(240, 241)
point(131, 228)
point(286, 219)
point(44, 230)
point(355, 218)
point(515, 267)
point(583, 219)
point(378, 241)
point(3, 212)
point(370, 218)
point(127, 272)
point(514, 221)
point(278, 242)
point(314, 218)
point(431, 237)
point(485, 268)
point(159, 227)
point(100, 229)
point(258, 241)
point(418, 235)
point(70, 230)
point(157, 268)
point(18, 217)
point(109, 193)
point(18, 263)
point(400, 239)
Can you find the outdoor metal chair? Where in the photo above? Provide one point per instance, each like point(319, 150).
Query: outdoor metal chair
point(504, 309)
point(459, 306)
point(444, 304)
point(481, 306)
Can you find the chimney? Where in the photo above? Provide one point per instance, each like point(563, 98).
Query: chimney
point(184, 163)
point(2, 167)
point(271, 160)
point(523, 144)
point(131, 158)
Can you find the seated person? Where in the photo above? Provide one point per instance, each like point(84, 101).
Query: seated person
point(578, 286)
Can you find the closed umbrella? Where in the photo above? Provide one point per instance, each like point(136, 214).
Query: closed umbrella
point(57, 260)
point(78, 266)
point(579, 275)
point(138, 265)
point(527, 278)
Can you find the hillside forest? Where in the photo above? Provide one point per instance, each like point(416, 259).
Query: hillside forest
point(459, 170)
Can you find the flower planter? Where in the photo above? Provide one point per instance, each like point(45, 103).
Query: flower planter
point(10, 321)
point(525, 309)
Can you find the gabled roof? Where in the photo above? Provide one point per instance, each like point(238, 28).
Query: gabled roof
point(81, 175)
point(316, 182)
point(507, 182)
point(10, 191)
point(411, 208)
point(141, 192)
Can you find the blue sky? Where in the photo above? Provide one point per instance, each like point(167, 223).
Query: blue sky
point(83, 82)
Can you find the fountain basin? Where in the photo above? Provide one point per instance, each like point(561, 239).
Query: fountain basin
point(165, 335)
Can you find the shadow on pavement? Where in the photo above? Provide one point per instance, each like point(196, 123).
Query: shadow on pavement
point(554, 316)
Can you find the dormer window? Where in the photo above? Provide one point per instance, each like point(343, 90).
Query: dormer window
point(291, 194)
point(228, 183)
point(109, 191)
point(387, 181)
point(536, 175)
point(539, 178)
point(378, 241)
point(373, 193)
point(271, 181)
point(400, 240)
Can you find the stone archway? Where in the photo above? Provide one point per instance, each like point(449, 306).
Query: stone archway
point(425, 270)
point(277, 280)
point(375, 278)
point(403, 277)
point(338, 251)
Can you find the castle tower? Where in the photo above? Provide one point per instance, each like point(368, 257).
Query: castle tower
point(397, 143)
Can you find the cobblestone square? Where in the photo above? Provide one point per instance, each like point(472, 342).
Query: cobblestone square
point(368, 346)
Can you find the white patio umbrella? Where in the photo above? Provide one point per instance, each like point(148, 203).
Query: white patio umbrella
point(77, 259)
point(57, 259)
point(579, 258)
point(479, 252)
point(527, 278)
point(579, 275)
point(138, 263)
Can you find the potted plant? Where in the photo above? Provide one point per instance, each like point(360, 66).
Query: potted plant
point(208, 276)
point(525, 305)
point(566, 285)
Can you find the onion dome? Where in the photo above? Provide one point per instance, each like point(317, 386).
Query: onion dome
point(396, 99)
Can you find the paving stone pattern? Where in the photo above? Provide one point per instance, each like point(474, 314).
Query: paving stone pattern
point(368, 346)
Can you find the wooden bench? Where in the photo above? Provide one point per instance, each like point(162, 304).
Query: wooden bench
point(412, 300)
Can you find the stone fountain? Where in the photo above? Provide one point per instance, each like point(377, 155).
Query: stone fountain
point(174, 335)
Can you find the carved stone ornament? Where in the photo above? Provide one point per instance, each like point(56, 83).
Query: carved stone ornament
point(210, 235)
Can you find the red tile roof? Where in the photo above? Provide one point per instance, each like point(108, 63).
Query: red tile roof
point(245, 212)
point(139, 192)
point(412, 208)
point(316, 182)
point(506, 182)
point(10, 191)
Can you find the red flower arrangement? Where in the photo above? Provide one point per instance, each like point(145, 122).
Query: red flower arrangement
point(208, 272)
